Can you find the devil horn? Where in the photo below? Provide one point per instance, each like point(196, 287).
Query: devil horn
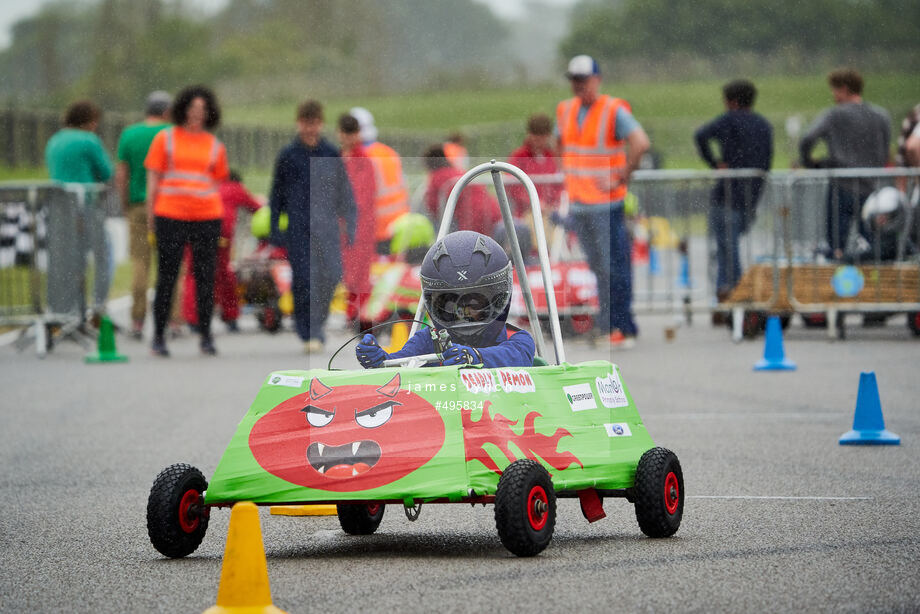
point(318, 389)
point(391, 387)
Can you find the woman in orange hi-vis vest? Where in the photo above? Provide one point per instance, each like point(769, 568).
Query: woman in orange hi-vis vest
point(601, 145)
point(185, 165)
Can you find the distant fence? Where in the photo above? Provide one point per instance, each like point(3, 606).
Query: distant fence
point(24, 134)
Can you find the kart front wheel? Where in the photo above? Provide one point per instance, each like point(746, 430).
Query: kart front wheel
point(360, 518)
point(176, 516)
point(525, 508)
point(659, 493)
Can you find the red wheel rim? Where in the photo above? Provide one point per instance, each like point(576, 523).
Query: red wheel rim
point(373, 508)
point(537, 508)
point(582, 324)
point(671, 493)
point(187, 520)
point(917, 320)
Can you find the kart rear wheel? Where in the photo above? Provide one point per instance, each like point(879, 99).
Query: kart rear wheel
point(525, 508)
point(659, 493)
point(578, 324)
point(360, 518)
point(270, 317)
point(913, 322)
point(176, 516)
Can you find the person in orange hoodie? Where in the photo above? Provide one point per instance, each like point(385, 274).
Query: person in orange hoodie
point(357, 257)
point(233, 195)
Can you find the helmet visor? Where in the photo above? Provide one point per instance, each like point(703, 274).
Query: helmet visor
point(479, 305)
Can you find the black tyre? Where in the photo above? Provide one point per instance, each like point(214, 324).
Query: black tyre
point(525, 508)
point(176, 516)
point(752, 324)
point(814, 320)
point(659, 493)
point(913, 322)
point(270, 317)
point(784, 321)
point(360, 518)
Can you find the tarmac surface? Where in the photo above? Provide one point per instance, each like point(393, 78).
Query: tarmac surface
point(778, 516)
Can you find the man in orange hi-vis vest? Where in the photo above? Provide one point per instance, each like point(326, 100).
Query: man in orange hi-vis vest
point(392, 198)
point(601, 144)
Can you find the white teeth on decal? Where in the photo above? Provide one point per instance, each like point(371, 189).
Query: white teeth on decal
point(320, 447)
point(322, 469)
point(354, 472)
point(354, 447)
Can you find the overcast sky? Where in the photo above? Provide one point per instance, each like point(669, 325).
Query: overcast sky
point(13, 10)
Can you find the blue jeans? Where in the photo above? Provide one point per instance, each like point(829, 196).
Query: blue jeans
point(727, 225)
point(605, 240)
point(844, 202)
point(313, 284)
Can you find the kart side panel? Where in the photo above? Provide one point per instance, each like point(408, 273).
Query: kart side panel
point(423, 434)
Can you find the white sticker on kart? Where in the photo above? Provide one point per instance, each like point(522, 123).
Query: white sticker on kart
point(515, 381)
point(580, 397)
point(611, 392)
point(477, 381)
point(618, 429)
point(277, 379)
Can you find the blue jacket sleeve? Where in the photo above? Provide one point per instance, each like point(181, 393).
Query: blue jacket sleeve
point(702, 137)
point(517, 351)
point(418, 344)
point(276, 202)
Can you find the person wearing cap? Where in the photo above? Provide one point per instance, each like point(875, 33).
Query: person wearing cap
point(131, 182)
point(601, 144)
point(392, 197)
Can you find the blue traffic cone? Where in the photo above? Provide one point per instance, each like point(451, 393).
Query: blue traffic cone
point(868, 423)
point(774, 358)
point(683, 272)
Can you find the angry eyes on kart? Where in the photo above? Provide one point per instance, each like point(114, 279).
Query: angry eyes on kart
point(369, 418)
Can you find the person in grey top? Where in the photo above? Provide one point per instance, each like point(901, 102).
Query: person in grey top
point(857, 135)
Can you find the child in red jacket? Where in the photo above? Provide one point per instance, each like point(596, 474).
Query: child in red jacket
point(233, 195)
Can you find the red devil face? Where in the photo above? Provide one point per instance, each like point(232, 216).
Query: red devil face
point(347, 438)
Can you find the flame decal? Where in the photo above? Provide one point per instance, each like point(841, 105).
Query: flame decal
point(497, 431)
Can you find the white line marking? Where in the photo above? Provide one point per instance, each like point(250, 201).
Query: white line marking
point(780, 498)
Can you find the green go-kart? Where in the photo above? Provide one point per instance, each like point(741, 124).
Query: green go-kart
point(402, 435)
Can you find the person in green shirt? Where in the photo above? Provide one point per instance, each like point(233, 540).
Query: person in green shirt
point(131, 181)
point(75, 154)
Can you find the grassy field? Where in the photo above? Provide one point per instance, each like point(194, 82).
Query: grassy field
point(670, 111)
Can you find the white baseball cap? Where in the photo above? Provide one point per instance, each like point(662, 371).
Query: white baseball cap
point(582, 66)
point(366, 123)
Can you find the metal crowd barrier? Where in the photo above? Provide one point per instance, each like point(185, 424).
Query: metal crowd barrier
point(43, 245)
point(808, 251)
point(801, 241)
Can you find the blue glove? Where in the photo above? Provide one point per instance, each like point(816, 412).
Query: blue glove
point(369, 353)
point(460, 355)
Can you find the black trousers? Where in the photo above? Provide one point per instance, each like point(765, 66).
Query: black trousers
point(172, 237)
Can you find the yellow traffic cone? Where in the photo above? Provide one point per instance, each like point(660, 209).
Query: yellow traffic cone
point(399, 334)
point(244, 575)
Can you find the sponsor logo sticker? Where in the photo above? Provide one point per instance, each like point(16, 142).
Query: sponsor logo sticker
point(580, 397)
point(277, 379)
point(477, 381)
point(515, 381)
point(611, 391)
point(618, 429)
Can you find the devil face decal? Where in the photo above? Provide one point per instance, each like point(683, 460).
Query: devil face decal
point(347, 438)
